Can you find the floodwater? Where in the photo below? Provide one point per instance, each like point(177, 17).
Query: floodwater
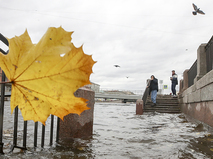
point(120, 134)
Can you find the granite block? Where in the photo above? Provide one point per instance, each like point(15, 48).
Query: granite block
point(139, 107)
point(75, 126)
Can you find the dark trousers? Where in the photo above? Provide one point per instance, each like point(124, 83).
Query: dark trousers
point(173, 89)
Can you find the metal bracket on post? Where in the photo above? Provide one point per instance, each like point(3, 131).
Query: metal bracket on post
point(5, 41)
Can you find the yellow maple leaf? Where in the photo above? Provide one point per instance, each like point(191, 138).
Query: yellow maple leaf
point(44, 81)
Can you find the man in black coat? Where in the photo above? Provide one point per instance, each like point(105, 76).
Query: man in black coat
point(153, 89)
point(174, 80)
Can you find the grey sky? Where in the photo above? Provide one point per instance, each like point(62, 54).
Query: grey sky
point(143, 37)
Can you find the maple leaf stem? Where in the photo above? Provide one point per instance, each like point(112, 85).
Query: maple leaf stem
point(5, 82)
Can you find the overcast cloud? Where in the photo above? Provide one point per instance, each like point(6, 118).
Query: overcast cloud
point(143, 37)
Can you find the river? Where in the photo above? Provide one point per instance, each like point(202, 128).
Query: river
point(120, 134)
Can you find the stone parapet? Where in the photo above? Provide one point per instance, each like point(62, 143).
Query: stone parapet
point(197, 100)
point(202, 90)
point(206, 80)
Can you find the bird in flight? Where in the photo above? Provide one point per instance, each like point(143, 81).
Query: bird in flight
point(116, 65)
point(197, 10)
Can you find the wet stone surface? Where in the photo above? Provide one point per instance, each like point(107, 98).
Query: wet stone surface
point(119, 133)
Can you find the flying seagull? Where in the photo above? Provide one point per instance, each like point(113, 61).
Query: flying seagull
point(116, 65)
point(197, 10)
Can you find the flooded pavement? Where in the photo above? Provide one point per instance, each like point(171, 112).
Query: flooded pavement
point(119, 133)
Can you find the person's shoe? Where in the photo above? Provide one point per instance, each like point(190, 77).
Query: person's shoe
point(155, 104)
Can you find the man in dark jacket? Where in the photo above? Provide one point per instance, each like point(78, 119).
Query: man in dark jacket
point(153, 88)
point(174, 80)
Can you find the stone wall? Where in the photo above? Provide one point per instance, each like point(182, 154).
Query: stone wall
point(197, 100)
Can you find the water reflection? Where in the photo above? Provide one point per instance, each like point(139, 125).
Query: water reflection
point(119, 133)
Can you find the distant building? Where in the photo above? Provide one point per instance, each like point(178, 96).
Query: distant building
point(93, 86)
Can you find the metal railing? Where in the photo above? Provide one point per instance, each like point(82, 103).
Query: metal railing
point(145, 94)
point(5, 41)
point(192, 73)
point(2, 113)
point(181, 84)
point(35, 144)
point(209, 55)
point(16, 112)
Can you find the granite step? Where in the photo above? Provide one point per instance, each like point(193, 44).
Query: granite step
point(165, 104)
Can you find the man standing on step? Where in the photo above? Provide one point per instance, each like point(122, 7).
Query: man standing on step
point(174, 80)
point(153, 88)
